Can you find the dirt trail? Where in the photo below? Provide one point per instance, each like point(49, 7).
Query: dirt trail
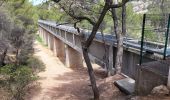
point(59, 82)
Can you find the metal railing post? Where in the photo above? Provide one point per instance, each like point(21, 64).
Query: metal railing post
point(142, 38)
point(167, 35)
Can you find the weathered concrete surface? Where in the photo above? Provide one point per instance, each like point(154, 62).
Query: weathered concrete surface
point(150, 75)
point(55, 46)
point(126, 85)
point(60, 50)
point(46, 37)
point(168, 84)
point(50, 41)
point(73, 57)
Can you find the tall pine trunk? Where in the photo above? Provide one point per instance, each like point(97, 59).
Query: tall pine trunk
point(91, 74)
point(119, 55)
point(119, 36)
point(85, 47)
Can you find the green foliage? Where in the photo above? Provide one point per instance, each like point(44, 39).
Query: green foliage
point(39, 39)
point(150, 35)
point(17, 79)
point(35, 64)
point(45, 12)
point(18, 23)
point(21, 75)
point(7, 69)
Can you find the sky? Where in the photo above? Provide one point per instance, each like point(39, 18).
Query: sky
point(36, 2)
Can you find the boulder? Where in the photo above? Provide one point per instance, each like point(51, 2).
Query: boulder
point(161, 90)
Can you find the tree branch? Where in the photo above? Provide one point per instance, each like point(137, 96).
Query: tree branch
point(96, 26)
point(73, 15)
point(56, 1)
point(62, 24)
point(77, 17)
point(75, 26)
point(119, 4)
point(2, 2)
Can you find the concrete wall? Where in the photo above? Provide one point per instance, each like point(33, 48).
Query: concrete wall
point(169, 79)
point(150, 75)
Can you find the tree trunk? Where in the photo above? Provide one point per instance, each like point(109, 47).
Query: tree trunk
point(124, 20)
point(119, 37)
point(85, 46)
point(2, 63)
point(91, 74)
point(119, 55)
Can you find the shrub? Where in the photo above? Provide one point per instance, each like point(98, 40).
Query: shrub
point(17, 80)
point(35, 64)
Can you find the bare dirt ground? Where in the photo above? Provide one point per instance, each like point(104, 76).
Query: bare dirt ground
point(59, 82)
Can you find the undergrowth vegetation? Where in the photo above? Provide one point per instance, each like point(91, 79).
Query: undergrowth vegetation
point(17, 31)
point(15, 79)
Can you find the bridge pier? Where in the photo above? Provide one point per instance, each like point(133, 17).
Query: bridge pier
point(68, 55)
point(59, 49)
point(73, 58)
point(55, 46)
point(45, 38)
point(168, 84)
point(50, 41)
point(40, 33)
point(111, 70)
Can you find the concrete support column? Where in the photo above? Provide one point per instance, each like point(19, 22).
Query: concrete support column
point(49, 40)
point(55, 46)
point(168, 84)
point(40, 33)
point(46, 38)
point(73, 58)
point(43, 34)
point(60, 49)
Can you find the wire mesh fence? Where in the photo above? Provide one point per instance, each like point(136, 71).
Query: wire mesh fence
point(155, 34)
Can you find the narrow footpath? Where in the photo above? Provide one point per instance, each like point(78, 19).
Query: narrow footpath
point(59, 82)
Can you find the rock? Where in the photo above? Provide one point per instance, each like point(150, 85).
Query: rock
point(161, 90)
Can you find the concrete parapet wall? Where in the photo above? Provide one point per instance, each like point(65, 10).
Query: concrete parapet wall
point(150, 75)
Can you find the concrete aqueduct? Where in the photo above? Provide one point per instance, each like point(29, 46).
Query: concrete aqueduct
point(65, 42)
